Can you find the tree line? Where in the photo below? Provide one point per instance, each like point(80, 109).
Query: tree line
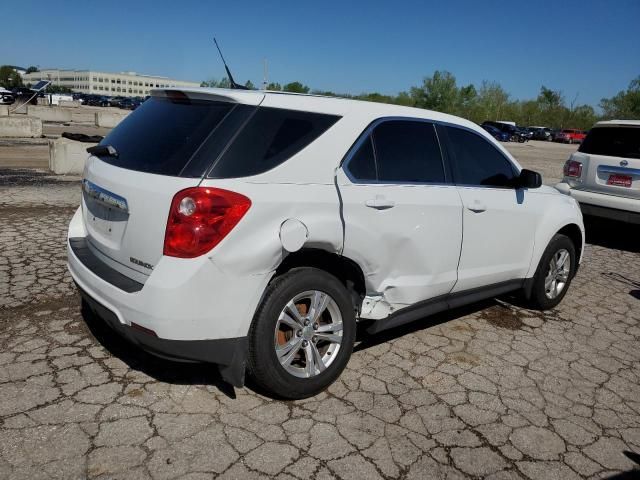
point(489, 101)
point(441, 92)
point(10, 78)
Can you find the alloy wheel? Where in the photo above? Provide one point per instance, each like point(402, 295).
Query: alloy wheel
point(558, 274)
point(308, 334)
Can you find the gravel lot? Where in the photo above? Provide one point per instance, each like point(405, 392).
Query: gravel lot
point(491, 391)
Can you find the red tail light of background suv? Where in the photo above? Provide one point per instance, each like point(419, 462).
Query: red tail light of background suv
point(572, 169)
point(199, 218)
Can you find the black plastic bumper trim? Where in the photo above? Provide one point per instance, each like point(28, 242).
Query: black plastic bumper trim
point(229, 354)
point(610, 213)
point(80, 247)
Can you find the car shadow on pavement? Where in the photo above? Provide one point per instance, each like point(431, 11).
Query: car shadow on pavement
point(615, 235)
point(365, 340)
point(629, 474)
point(163, 370)
point(612, 234)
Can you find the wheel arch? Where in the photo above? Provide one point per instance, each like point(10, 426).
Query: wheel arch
point(574, 233)
point(341, 267)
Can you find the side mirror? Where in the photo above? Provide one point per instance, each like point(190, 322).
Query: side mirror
point(529, 179)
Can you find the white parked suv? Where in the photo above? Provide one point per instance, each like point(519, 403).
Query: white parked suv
point(254, 230)
point(604, 174)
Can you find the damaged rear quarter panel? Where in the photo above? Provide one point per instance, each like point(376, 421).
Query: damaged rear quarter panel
point(254, 246)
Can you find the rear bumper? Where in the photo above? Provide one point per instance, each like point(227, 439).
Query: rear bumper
point(228, 353)
point(195, 310)
point(602, 205)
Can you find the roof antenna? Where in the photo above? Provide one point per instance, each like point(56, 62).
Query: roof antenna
point(232, 82)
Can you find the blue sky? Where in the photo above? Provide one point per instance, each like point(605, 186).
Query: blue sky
point(586, 48)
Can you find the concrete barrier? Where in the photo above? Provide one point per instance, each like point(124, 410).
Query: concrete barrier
point(81, 115)
point(4, 110)
point(19, 108)
point(109, 119)
point(69, 103)
point(67, 157)
point(20, 127)
point(50, 114)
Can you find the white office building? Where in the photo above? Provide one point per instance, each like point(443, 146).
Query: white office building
point(125, 84)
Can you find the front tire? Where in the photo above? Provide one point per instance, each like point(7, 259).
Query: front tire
point(302, 334)
point(555, 271)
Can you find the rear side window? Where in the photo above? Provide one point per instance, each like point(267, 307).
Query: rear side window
point(613, 141)
point(477, 162)
point(408, 151)
point(399, 151)
point(163, 134)
point(362, 165)
point(268, 139)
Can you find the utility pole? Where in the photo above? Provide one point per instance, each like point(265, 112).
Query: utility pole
point(266, 75)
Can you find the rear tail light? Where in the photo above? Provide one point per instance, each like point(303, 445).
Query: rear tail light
point(199, 218)
point(572, 169)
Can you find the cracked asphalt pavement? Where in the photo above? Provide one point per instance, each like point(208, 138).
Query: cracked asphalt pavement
point(490, 391)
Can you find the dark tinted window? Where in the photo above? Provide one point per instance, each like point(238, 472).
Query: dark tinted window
point(362, 165)
point(162, 134)
point(613, 141)
point(407, 151)
point(270, 137)
point(477, 162)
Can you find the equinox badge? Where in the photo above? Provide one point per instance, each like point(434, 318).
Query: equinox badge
point(141, 263)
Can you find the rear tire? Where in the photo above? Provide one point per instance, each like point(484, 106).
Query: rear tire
point(302, 334)
point(553, 276)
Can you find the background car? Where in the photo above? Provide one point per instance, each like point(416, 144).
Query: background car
point(570, 135)
point(511, 130)
point(497, 134)
point(6, 97)
point(604, 174)
point(23, 94)
point(130, 103)
point(542, 133)
point(525, 132)
point(115, 101)
point(96, 101)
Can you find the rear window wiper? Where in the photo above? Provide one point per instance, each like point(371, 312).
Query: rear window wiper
point(103, 151)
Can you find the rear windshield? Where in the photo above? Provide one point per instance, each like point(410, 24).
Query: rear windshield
point(269, 138)
point(613, 141)
point(163, 134)
point(184, 137)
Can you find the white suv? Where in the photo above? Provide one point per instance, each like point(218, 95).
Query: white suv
point(254, 230)
point(604, 174)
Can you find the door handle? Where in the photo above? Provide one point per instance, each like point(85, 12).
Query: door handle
point(477, 206)
point(380, 203)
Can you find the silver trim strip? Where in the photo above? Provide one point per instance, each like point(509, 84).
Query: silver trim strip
point(614, 169)
point(104, 196)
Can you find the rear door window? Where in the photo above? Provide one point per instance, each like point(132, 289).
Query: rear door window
point(163, 134)
point(362, 165)
point(478, 162)
point(269, 138)
point(613, 141)
point(408, 152)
